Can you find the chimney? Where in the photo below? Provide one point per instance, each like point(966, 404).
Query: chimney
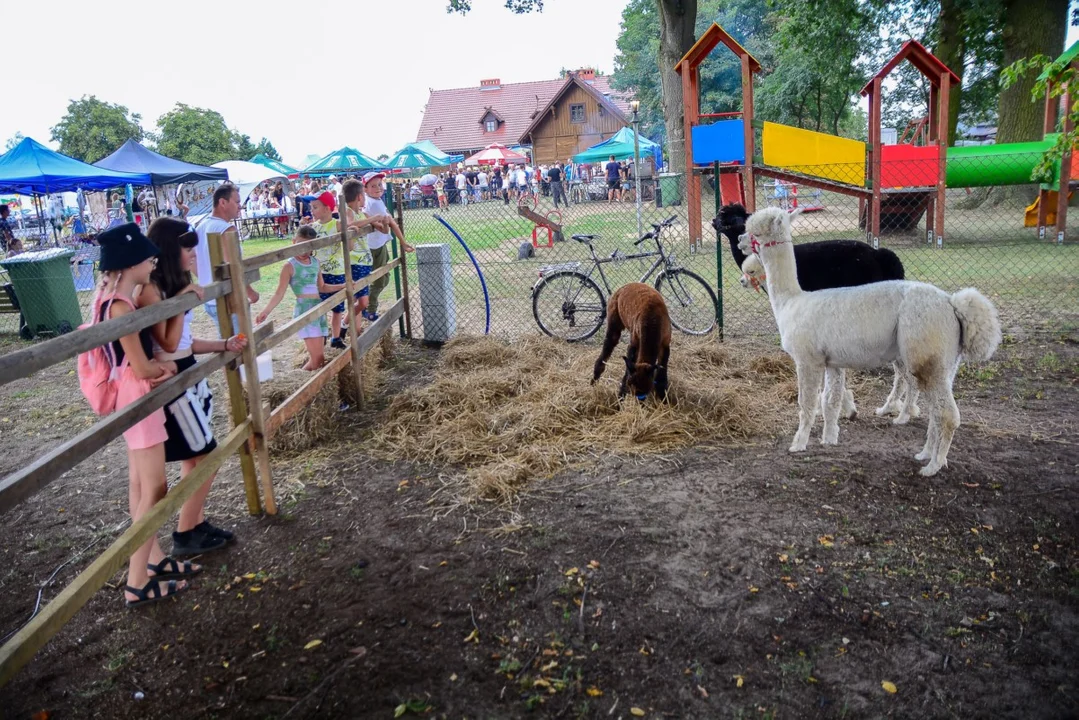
point(587, 74)
point(490, 84)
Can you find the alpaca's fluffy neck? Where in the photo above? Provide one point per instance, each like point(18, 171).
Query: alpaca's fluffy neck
point(782, 273)
point(732, 237)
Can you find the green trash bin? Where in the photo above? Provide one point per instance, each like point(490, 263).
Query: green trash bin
point(46, 290)
point(670, 188)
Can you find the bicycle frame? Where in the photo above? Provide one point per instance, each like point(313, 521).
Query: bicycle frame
point(662, 258)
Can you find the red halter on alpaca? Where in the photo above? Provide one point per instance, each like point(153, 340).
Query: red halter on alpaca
point(640, 309)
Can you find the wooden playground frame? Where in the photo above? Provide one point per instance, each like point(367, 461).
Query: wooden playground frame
point(252, 425)
point(875, 199)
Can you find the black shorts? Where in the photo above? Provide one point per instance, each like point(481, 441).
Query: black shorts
point(613, 184)
point(189, 420)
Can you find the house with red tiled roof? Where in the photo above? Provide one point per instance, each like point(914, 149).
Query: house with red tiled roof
point(556, 117)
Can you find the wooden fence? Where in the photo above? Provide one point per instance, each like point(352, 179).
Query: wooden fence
point(251, 426)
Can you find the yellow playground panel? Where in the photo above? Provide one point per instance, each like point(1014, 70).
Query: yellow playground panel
point(814, 153)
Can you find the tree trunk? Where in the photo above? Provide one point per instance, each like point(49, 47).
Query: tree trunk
point(1030, 27)
point(677, 21)
point(951, 49)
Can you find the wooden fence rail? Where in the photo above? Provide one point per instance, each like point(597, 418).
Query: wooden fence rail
point(251, 425)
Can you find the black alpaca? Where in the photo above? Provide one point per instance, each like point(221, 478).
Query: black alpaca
point(820, 265)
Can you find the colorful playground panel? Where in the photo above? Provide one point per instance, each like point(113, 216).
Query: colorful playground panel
point(985, 165)
point(909, 166)
point(814, 153)
point(722, 141)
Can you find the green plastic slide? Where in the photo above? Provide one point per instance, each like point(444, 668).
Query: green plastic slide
point(984, 165)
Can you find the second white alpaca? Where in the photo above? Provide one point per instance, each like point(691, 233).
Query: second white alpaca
point(902, 401)
point(920, 327)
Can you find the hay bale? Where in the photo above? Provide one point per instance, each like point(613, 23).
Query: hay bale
point(509, 414)
point(314, 424)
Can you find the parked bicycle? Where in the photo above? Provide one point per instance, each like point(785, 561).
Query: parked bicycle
point(567, 303)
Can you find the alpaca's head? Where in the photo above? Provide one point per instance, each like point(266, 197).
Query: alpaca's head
point(731, 219)
point(767, 229)
point(753, 273)
point(642, 378)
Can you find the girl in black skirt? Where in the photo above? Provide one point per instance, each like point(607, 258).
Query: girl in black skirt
point(188, 418)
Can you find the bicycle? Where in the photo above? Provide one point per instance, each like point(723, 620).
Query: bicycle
point(567, 303)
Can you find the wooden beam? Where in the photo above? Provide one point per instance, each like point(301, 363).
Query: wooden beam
point(23, 363)
point(23, 483)
point(293, 326)
point(303, 248)
point(237, 402)
point(242, 309)
point(943, 102)
point(303, 395)
point(809, 181)
point(1066, 161)
point(873, 221)
point(350, 302)
point(748, 121)
point(380, 327)
point(25, 644)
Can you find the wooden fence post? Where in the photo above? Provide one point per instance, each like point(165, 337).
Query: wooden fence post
point(350, 299)
point(238, 301)
point(237, 404)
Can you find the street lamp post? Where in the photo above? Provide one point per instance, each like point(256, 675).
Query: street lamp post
point(635, 105)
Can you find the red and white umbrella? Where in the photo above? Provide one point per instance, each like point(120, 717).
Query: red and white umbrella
point(496, 155)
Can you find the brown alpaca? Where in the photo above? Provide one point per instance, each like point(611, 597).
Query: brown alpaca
point(640, 309)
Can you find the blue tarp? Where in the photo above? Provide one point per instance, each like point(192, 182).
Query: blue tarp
point(31, 168)
point(132, 157)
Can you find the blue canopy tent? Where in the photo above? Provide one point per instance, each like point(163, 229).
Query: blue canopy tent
point(431, 149)
point(131, 157)
point(621, 146)
point(30, 168)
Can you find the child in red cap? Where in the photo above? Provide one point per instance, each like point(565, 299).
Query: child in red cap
point(329, 258)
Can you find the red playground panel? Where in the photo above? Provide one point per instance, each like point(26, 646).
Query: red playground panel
point(909, 166)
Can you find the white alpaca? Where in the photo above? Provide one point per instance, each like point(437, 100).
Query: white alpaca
point(920, 327)
point(902, 401)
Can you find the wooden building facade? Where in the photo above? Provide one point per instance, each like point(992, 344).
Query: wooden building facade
point(575, 119)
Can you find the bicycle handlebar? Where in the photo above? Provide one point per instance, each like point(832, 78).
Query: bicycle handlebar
point(646, 236)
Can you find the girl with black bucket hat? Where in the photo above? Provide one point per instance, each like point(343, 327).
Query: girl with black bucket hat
point(127, 259)
point(188, 418)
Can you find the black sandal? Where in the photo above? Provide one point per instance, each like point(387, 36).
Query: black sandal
point(169, 569)
point(151, 592)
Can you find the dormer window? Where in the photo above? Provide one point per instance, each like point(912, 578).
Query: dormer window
point(490, 125)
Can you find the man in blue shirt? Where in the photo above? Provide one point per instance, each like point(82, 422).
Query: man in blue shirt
point(614, 187)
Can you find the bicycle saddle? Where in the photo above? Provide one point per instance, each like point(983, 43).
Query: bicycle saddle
point(586, 239)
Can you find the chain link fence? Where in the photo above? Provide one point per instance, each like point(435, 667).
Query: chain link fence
point(486, 281)
point(985, 242)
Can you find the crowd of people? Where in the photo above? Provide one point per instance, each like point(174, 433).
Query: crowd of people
point(172, 259)
point(562, 182)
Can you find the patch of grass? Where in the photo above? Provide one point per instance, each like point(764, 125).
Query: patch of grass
point(1049, 362)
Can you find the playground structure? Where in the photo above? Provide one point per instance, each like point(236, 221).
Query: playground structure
point(551, 222)
point(895, 184)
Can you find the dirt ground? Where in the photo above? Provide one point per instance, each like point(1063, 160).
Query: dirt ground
point(739, 582)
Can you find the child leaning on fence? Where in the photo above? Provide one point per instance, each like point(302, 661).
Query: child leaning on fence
point(373, 188)
point(303, 274)
point(329, 258)
point(189, 416)
point(359, 254)
point(127, 259)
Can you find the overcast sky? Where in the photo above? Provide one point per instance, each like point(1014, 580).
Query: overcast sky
point(276, 69)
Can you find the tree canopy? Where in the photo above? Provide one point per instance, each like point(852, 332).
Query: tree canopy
point(92, 128)
point(13, 141)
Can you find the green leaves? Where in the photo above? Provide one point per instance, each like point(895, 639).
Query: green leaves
point(194, 135)
point(92, 128)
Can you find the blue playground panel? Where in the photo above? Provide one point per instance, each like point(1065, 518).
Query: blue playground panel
point(722, 141)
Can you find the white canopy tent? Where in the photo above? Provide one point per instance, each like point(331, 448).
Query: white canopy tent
point(244, 175)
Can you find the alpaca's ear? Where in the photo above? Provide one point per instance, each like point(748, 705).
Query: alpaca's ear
point(777, 229)
point(795, 213)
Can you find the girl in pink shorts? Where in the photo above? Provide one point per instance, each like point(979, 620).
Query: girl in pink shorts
point(127, 258)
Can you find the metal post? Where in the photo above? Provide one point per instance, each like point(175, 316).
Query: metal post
point(719, 258)
point(637, 163)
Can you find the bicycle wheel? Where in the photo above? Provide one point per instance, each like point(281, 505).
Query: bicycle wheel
point(569, 305)
point(690, 300)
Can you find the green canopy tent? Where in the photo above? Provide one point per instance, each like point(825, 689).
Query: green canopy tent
point(275, 165)
point(431, 149)
point(620, 145)
point(345, 160)
point(410, 157)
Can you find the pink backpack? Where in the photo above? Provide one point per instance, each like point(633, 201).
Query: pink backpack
point(97, 369)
